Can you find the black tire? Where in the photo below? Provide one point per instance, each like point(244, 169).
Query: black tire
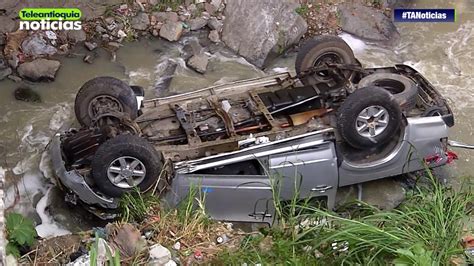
point(403, 89)
point(321, 48)
point(128, 146)
point(433, 111)
point(114, 90)
point(356, 104)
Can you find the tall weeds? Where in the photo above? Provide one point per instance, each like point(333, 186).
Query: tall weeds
point(425, 230)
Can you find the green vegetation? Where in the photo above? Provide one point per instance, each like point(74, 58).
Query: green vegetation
point(21, 233)
point(112, 260)
point(164, 4)
point(136, 206)
point(425, 230)
point(302, 10)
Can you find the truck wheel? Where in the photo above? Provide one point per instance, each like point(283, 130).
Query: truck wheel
point(104, 95)
point(369, 117)
point(125, 162)
point(320, 50)
point(403, 89)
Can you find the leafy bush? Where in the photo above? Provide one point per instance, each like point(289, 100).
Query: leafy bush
point(20, 233)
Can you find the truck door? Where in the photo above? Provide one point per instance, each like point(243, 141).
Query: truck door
point(310, 172)
point(235, 192)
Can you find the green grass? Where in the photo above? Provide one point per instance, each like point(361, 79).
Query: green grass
point(163, 4)
point(302, 10)
point(425, 230)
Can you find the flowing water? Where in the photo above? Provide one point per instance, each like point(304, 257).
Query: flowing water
point(442, 52)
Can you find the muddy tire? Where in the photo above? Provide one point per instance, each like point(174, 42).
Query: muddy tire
point(101, 95)
point(369, 117)
point(322, 49)
point(126, 162)
point(404, 90)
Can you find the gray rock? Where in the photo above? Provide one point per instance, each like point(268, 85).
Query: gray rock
point(198, 62)
point(89, 58)
point(90, 45)
point(191, 47)
point(214, 36)
point(35, 45)
point(215, 24)
point(100, 29)
point(140, 21)
point(114, 45)
point(165, 71)
point(6, 24)
point(26, 94)
point(171, 31)
point(166, 16)
point(39, 69)
point(159, 255)
point(367, 23)
point(197, 23)
point(76, 36)
point(14, 78)
point(3, 63)
point(14, 61)
point(216, 3)
point(192, 9)
point(211, 9)
point(261, 29)
point(5, 73)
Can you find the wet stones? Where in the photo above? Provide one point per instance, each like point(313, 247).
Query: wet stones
point(90, 45)
point(39, 69)
point(5, 70)
point(259, 37)
point(198, 62)
point(26, 94)
point(367, 23)
point(197, 23)
point(76, 36)
point(171, 31)
point(214, 36)
point(140, 21)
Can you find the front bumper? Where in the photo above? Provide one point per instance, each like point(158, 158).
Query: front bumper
point(74, 182)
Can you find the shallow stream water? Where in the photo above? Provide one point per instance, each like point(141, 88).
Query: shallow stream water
point(442, 52)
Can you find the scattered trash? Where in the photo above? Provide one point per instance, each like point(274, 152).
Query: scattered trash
point(159, 255)
point(177, 246)
point(90, 45)
point(198, 254)
point(222, 239)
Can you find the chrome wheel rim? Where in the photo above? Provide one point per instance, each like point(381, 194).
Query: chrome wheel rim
point(126, 172)
point(372, 121)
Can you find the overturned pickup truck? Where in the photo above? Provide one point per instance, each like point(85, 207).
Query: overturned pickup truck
point(334, 124)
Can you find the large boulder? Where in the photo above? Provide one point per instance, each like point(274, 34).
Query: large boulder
point(39, 69)
point(367, 23)
point(261, 29)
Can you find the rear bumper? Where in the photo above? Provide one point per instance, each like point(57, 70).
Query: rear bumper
point(75, 182)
